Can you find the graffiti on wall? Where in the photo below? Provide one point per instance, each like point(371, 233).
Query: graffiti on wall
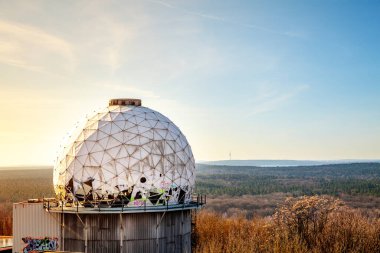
point(38, 244)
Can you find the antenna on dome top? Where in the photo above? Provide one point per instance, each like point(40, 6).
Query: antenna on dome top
point(125, 101)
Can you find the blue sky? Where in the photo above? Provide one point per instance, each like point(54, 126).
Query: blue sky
point(259, 79)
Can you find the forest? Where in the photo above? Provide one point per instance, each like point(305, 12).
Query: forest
point(260, 200)
point(18, 184)
point(352, 179)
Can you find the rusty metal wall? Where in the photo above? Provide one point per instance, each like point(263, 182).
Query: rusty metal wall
point(138, 232)
point(31, 220)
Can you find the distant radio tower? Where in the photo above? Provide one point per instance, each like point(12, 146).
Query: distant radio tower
point(230, 156)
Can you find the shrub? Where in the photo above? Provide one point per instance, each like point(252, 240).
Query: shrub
point(306, 224)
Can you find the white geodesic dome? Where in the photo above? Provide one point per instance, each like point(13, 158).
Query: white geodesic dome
point(126, 153)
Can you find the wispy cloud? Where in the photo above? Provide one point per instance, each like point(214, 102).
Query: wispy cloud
point(25, 46)
point(269, 101)
point(163, 3)
point(110, 46)
point(108, 34)
point(227, 21)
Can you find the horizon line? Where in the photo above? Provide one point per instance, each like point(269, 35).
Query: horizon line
point(226, 160)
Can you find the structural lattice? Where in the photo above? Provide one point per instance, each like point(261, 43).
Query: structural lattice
point(126, 153)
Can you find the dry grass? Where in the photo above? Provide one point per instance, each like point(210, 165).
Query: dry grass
point(306, 224)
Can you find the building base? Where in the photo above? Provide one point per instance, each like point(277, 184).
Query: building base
point(40, 229)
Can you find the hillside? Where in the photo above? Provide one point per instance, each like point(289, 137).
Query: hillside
point(232, 190)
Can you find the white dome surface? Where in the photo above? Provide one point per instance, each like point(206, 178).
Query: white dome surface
point(126, 153)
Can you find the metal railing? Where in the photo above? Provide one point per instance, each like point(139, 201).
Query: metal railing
point(51, 204)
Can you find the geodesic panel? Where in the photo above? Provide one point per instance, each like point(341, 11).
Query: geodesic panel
point(128, 154)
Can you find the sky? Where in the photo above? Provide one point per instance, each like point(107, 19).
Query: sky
point(257, 79)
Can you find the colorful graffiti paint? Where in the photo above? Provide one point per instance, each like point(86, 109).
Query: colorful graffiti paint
point(38, 244)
